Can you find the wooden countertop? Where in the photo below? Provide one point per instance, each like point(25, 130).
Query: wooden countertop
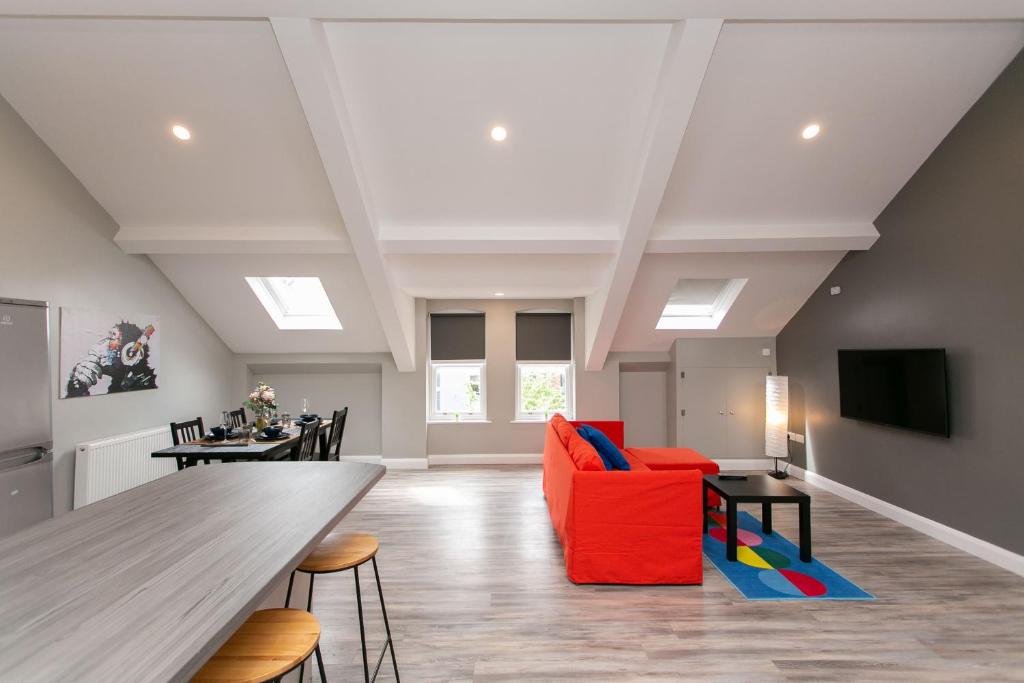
point(147, 584)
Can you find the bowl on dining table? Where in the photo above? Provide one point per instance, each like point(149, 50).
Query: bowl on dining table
point(272, 432)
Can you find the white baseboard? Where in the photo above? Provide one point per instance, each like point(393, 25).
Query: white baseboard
point(405, 463)
point(372, 459)
point(731, 464)
point(989, 552)
point(486, 459)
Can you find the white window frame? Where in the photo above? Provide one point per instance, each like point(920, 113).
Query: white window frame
point(570, 402)
point(263, 287)
point(434, 415)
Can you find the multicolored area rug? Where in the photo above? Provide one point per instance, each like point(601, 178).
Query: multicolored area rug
point(768, 566)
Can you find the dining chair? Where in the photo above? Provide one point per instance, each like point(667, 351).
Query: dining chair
point(237, 417)
point(308, 438)
point(183, 432)
point(334, 439)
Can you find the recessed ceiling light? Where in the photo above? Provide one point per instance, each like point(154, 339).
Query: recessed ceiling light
point(498, 133)
point(181, 132)
point(810, 132)
point(499, 294)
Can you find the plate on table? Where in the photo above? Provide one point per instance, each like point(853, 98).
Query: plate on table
point(280, 437)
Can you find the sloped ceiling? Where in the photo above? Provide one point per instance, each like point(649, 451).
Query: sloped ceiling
point(352, 142)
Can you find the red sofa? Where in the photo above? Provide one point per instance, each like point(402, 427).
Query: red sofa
point(643, 526)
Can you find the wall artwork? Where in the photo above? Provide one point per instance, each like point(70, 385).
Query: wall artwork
point(107, 353)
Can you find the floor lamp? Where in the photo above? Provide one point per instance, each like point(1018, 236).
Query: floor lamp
point(776, 425)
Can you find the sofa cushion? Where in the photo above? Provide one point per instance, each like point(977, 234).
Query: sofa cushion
point(564, 431)
point(610, 454)
point(583, 455)
point(635, 463)
point(674, 459)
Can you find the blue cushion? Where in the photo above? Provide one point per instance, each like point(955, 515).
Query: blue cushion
point(609, 452)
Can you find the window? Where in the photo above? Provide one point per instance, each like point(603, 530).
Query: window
point(543, 389)
point(699, 304)
point(457, 391)
point(544, 367)
point(458, 372)
point(295, 303)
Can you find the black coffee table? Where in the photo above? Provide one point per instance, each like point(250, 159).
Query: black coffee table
point(758, 488)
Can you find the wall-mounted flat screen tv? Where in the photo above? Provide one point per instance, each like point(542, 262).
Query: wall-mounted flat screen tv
point(897, 387)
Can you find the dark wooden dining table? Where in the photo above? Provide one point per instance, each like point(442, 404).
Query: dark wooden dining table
point(233, 450)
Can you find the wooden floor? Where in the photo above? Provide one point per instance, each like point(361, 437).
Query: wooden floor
point(476, 589)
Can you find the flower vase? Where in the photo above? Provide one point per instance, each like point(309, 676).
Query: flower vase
point(261, 420)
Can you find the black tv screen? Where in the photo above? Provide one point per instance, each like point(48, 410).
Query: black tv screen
point(898, 387)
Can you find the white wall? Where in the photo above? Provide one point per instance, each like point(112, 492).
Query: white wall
point(330, 391)
point(57, 246)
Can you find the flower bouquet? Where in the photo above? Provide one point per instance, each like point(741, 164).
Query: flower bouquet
point(263, 403)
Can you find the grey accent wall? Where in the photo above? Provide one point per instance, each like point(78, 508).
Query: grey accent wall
point(57, 246)
point(947, 271)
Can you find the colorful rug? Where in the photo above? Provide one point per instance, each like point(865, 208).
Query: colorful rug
point(768, 566)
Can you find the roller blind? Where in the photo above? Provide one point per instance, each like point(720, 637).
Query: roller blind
point(544, 336)
point(457, 336)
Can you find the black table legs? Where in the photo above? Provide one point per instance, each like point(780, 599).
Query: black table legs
point(704, 507)
point(730, 530)
point(805, 530)
point(766, 518)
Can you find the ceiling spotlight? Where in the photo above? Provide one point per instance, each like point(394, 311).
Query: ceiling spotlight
point(499, 294)
point(810, 132)
point(498, 133)
point(181, 132)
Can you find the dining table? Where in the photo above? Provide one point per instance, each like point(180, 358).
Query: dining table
point(146, 585)
point(233, 450)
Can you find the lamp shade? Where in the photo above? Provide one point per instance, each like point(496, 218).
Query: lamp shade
point(776, 411)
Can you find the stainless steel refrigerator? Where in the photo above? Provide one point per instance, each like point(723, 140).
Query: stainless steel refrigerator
point(26, 441)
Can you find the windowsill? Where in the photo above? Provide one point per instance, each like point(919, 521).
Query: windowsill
point(457, 422)
point(528, 422)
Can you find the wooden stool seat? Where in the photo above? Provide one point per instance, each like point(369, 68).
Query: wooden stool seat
point(269, 644)
point(339, 551)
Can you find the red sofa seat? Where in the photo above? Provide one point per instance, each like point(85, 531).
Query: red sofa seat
point(677, 459)
point(635, 527)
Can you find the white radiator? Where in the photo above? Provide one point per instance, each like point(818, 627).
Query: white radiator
point(118, 463)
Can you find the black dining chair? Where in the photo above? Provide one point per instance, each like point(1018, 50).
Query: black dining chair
point(333, 444)
point(308, 438)
point(237, 417)
point(183, 432)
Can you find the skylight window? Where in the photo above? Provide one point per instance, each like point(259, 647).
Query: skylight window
point(699, 304)
point(295, 303)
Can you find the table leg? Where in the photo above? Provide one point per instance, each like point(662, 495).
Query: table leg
point(766, 518)
point(730, 530)
point(323, 445)
point(704, 507)
point(805, 530)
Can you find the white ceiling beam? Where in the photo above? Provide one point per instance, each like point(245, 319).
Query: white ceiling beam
point(530, 10)
point(522, 240)
point(687, 56)
point(307, 56)
point(747, 238)
point(231, 240)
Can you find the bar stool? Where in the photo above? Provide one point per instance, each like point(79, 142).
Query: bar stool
point(337, 553)
point(268, 645)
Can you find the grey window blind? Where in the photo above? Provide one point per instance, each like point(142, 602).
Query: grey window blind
point(544, 336)
point(457, 336)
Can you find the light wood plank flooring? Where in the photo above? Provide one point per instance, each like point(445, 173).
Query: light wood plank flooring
point(476, 589)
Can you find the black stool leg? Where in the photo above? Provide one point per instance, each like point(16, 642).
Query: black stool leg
point(387, 627)
point(362, 629)
point(309, 608)
point(288, 596)
point(320, 664)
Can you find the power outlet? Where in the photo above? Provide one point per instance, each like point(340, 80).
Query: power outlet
point(793, 436)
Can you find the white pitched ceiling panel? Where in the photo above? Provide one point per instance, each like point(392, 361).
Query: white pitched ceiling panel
point(214, 285)
point(103, 94)
point(884, 94)
point(423, 98)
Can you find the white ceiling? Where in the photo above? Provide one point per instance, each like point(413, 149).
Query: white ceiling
point(884, 94)
point(423, 98)
point(214, 284)
point(381, 115)
point(103, 95)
